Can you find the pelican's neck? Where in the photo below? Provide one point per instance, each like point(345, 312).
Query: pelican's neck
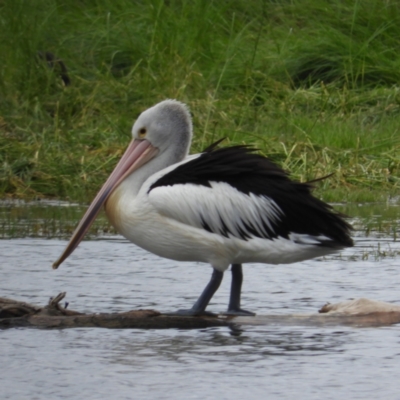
point(129, 188)
point(131, 185)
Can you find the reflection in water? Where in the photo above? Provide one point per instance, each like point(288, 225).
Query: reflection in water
point(239, 345)
point(257, 362)
point(45, 218)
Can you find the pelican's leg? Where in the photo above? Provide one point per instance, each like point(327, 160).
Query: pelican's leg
point(202, 302)
point(236, 290)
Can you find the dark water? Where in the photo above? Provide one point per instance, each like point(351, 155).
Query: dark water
point(256, 362)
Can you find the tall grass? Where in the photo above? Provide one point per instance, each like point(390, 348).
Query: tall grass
point(313, 84)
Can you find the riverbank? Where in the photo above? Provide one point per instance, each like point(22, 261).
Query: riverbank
point(314, 85)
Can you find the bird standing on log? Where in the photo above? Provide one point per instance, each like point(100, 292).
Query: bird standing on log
point(226, 206)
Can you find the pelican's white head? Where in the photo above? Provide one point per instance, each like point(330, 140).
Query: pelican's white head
point(167, 126)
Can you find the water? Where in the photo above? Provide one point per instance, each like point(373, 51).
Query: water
point(254, 362)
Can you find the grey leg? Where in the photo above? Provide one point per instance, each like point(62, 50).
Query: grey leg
point(236, 290)
point(202, 302)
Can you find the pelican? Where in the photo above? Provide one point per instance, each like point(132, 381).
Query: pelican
point(224, 206)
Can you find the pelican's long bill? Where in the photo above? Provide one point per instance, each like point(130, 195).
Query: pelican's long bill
point(138, 153)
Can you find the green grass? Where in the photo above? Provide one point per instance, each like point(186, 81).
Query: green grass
point(313, 84)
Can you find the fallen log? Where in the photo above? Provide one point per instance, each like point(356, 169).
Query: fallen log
point(14, 313)
point(355, 313)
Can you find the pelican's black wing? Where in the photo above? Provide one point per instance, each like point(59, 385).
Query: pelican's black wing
point(235, 192)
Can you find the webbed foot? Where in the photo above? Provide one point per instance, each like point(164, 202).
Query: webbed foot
point(192, 313)
point(240, 312)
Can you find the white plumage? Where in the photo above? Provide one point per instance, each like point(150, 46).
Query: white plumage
point(222, 207)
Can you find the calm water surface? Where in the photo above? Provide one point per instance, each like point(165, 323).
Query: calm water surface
point(110, 274)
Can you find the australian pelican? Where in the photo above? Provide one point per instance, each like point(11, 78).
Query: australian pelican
point(225, 206)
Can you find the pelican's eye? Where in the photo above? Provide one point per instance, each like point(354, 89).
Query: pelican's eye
point(142, 133)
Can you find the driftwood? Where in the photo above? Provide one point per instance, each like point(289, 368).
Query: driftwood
point(357, 313)
point(18, 314)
